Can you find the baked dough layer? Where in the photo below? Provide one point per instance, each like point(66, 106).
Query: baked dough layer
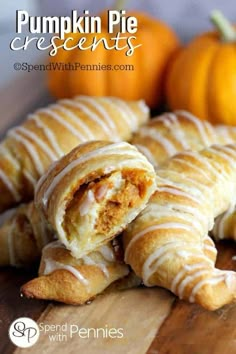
point(90, 195)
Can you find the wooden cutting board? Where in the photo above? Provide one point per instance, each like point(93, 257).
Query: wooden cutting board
point(153, 321)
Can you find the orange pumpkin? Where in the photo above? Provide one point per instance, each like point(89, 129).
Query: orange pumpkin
point(145, 81)
point(202, 76)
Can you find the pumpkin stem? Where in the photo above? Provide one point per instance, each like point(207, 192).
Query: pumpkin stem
point(120, 4)
point(225, 28)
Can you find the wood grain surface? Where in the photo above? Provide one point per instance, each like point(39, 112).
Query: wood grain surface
point(191, 329)
point(12, 306)
point(153, 320)
point(138, 312)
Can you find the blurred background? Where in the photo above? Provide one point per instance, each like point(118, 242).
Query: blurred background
point(20, 91)
point(187, 17)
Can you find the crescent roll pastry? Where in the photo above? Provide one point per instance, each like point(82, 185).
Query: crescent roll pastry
point(91, 194)
point(75, 281)
point(170, 133)
point(225, 225)
point(23, 235)
point(51, 132)
point(168, 244)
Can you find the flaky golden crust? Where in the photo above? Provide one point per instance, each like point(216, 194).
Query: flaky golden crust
point(171, 133)
point(51, 132)
point(73, 281)
point(180, 130)
point(167, 244)
point(23, 234)
point(91, 194)
point(225, 225)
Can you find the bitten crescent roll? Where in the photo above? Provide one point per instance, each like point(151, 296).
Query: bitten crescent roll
point(49, 133)
point(168, 244)
point(75, 281)
point(23, 234)
point(191, 133)
point(91, 194)
point(170, 133)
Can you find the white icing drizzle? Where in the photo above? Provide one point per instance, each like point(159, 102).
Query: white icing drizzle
point(107, 253)
point(209, 247)
point(219, 226)
point(29, 147)
point(153, 212)
point(204, 162)
point(187, 268)
point(90, 114)
point(161, 140)
point(198, 124)
point(195, 212)
point(164, 226)
point(146, 152)
point(144, 108)
point(193, 167)
point(211, 131)
point(51, 266)
point(189, 279)
point(30, 178)
point(44, 147)
point(179, 136)
point(128, 111)
point(197, 275)
point(195, 187)
point(4, 151)
point(190, 254)
point(111, 149)
point(164, 118)
point(179, 207)
point(120, 109)
point(10, 186)
point(88, 260)
point(57, 117)
point(177, 192)
point(229, 149)
point(16, 164)
point(223, 155)
point(48, 133)
point(170, 120)
point(54, 244)
point(162, 254)
point(75, 118)
point(224, 132)
point(156, 259)
point(45, 175)
point(230, 280)
point(214, 280)
point(96, 104)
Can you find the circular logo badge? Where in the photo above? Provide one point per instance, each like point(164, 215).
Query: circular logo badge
point(24, 332)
